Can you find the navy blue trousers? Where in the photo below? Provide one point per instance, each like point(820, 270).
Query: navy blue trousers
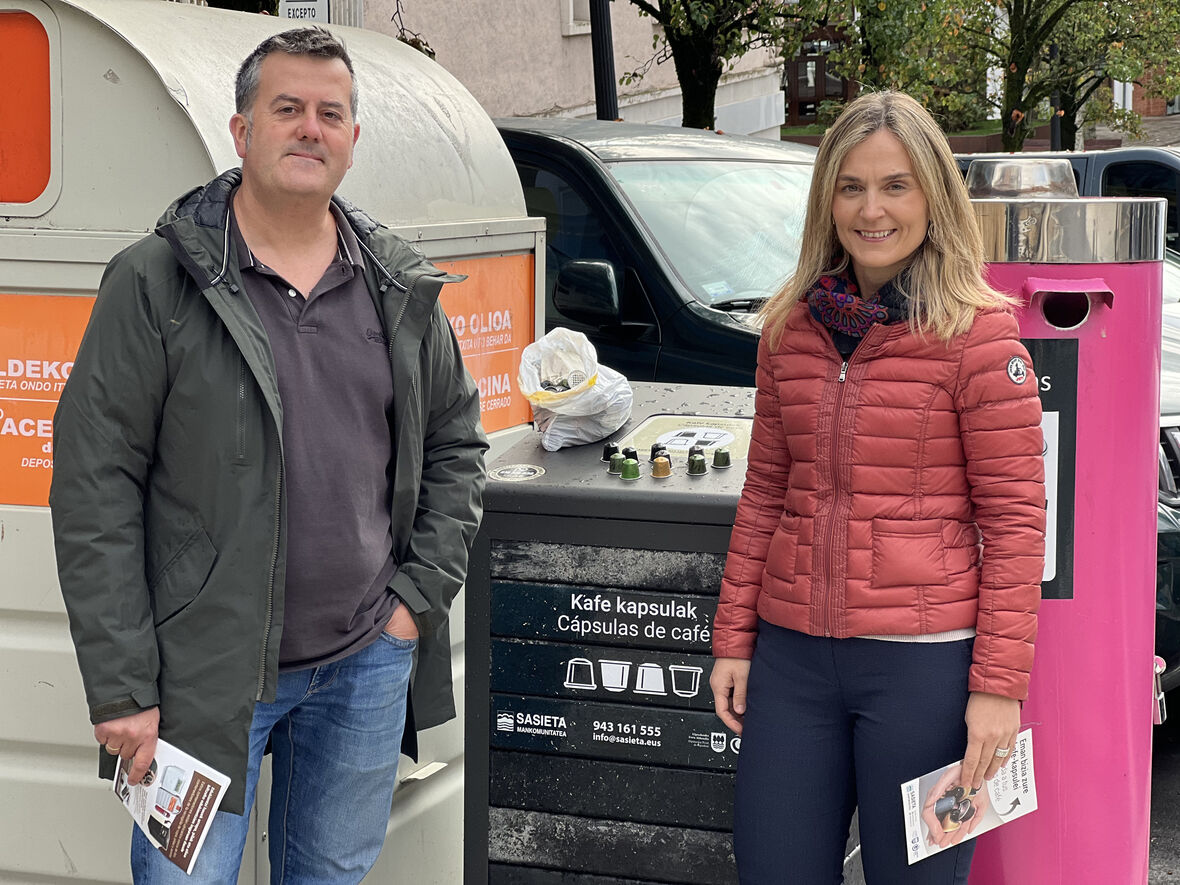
point(834, 725)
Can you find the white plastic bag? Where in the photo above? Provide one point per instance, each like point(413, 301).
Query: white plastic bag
point(574, 399)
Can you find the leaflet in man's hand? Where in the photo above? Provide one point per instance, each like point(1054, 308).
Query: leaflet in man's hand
point(175, 802)
point(940, 811)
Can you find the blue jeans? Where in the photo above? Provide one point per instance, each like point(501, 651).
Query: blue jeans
point(834, 725)
point(335, 734)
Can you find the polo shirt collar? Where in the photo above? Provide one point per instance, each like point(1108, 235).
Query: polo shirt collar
point(348, 248)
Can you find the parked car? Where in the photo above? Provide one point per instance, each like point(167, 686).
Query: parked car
point(1167, 583)
point(662, 242)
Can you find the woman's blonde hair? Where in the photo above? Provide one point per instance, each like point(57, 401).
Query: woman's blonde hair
point(944, 281)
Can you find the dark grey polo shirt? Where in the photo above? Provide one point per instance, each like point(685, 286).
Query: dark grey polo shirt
point(336, 386)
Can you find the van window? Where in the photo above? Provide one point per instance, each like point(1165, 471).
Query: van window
point(574, 230)
point(25, 129)
point(1140, 179)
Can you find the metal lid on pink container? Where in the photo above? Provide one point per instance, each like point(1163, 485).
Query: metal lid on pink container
point(1029, 211)
point(992, 178)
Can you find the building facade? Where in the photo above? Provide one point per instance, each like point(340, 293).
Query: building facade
point(533, 58)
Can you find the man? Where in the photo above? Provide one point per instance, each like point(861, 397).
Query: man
point(268, 476)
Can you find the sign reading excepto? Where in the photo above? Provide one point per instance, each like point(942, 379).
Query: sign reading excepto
point(492, 315)
point(304, 10)
point(39, 337)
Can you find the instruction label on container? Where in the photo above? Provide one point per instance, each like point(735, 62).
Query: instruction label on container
point(632, 618)
point(679, 433)
point(492, 315)
point(39, 337)
point(587, 672)
point(612, 731)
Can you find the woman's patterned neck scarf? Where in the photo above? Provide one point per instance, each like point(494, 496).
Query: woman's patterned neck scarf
point(835, 301)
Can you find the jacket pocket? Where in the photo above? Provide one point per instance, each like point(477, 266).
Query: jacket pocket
point(784, 549)
point(181, 578)
point(908, 553)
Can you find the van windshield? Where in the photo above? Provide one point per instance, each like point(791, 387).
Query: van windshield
point(729, 228)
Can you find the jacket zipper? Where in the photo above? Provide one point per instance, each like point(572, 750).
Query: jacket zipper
point(270, 583)
point(829, 542)
point(241, 409)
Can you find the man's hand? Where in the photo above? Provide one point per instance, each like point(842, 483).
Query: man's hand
point(993, 721)
point(131, 737)
point(728, 682)
point(401, 624)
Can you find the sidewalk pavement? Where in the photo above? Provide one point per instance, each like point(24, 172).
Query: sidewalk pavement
point(1158, 132)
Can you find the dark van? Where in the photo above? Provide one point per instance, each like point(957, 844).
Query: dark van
point(662, 243)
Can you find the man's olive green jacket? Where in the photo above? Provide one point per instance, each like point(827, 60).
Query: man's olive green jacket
point(168, 495)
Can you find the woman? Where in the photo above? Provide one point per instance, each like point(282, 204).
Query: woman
point(878, 607)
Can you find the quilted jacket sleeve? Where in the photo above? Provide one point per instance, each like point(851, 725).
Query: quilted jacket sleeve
point(1000, 427)
point(735, 627)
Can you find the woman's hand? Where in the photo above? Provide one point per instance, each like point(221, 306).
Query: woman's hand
point(728, 682)
point(993, 721)
point(935, 834)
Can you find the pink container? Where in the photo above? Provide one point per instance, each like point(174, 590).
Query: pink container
point(1088, 274)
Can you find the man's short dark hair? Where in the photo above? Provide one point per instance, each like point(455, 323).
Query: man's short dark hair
point(315, 41)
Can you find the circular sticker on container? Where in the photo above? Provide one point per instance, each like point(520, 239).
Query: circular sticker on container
point(516, 472)
point(1017, 371)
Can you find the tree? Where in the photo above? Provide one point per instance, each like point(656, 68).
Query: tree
point(1121, 40)
point(1015, 35)
point(701, 36)
point(906, 45)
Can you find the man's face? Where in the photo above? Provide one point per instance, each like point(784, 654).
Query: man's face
point(298, 137)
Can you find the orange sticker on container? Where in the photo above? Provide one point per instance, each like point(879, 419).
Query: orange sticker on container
point(39, 337)
point(492, 314)
point(25, 129)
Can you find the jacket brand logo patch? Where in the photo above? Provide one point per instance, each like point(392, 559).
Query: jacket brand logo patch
point(1017, 370)
point(374, 335)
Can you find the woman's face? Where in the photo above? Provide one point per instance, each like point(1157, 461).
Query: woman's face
point(879, 210)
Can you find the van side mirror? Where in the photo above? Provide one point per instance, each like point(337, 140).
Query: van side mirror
point(588, 291)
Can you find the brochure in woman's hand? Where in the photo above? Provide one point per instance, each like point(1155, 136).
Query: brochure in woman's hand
point(941, 812)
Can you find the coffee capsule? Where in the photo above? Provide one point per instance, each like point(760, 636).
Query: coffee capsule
point(629, 452)
point(630, 470)
point(661, 467)
point(616, 464)
point(609, 449)
point(696, 450)
point(696, 465)
point(721, 458)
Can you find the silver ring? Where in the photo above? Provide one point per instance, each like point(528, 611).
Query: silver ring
point(1003, 752)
